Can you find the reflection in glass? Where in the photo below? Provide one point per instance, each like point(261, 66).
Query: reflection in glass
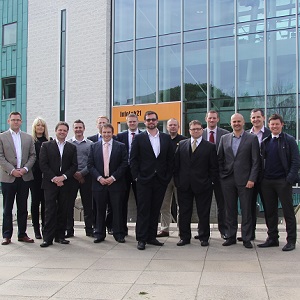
point(281, 53)
point(145, 18)
point(278, 8)
point(249, 10)
point(169, 73)
point(246, 104)
point(145, 76)
point(250, 65)
point(225, 108)
point(221, 31)
point(195, 13)
point(169, 39)
point(281, 23)
point(169, 16)
point(123, 20)
point(221, 12)
point(222, 68)
point(251, 27)
point(9, 34)
point(123, 78)
point(195, 35)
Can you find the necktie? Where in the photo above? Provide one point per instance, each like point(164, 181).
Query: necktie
point(211, 137)
point(132, 134)
point(106, 159)
point(194, 145)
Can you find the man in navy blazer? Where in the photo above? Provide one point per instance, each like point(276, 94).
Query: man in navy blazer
point(126, 137)
point(108, 187)
point(58, 163)
point(239, 165)
point(151, 166)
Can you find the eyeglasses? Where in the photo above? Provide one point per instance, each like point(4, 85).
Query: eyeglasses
point(149, 120)
point(196, 129)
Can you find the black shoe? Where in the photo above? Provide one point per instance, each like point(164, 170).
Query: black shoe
point(289, 247)
point(89, 234)
point(204, 243)
point(197, 237)
point(37, 232)
point(183, 242)
point(45, 244)
point(269, 243)
point(62, 241)
point(120, 240)
point(239, 239)
point(224, 236)
point(110, 231)
point(155, 242)
point(229, 242)
point(141, 245)
point(69, 234)
point(98, 240)
point(248, 245)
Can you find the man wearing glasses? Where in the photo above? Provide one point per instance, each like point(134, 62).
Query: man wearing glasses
point(196, 169)
point(151, 167)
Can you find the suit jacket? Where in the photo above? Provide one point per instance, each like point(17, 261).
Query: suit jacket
point(143, 162)
point(266, 133)
point(197, 170)
point(220, 132)
point(93, 138)
point(8, 156)
point(123, 138)
point(117, 166)
point(52, 164)
point(246, 164)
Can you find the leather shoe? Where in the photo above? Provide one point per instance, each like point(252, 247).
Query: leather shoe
point(239, 239)
point(224, 236)
point(89, 234)
point(120, 240)
point(229, 242)
point(6, 241)
point(269, 243)
point(62, 241)
point(110, 231)
point(183, 242)
point(98, 240)
point(248, 245)
point(289, 247)
point(45, 244)
point(141, 245)
point(155, 242)
point(204, 243)
point(69, 235)
point(163, 233)
point(25, 239)
point(197, 237)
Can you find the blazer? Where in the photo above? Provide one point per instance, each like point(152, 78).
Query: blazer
point(143, 162)
point(8, 156)
point(118, 164)
point(245, 165)
point(52, 164)
point(93, 138)
point(220, 132)
point(266, 132)
point(197, 170)
point(123, 138)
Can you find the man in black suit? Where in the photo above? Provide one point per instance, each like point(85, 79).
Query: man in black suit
point(196, 169)
point(58, 163)
point(239, 164)
point(107, 165)
point(213, 133)
point(126, 137)
point(151, 166)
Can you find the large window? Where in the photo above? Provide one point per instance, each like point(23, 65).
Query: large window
point(9, 34)
point(8, 88)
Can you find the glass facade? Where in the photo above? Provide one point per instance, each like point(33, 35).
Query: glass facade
point(193, 52)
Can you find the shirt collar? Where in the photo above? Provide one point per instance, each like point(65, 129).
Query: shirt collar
point(156, 135)
point(261, 130)
point(59, 143)
point(239, 136)
point(13, 132)
point(78, 142)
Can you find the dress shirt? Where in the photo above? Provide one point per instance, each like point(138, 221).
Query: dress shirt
point(275, 136)
point(198, 141)
point(236, 143)
point(209, 131)
point(259, 134)
point(109, 153)
point(155, 143)
point(16, 136)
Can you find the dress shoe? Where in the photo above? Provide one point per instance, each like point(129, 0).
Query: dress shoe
point(45, 244)
point(269, 243)
point(141, 245)
point(110, 231)
point(89, 234)
point(62, 241)
point(224, 236)
point(37, 232)
point(183, 242)
point(289, 247)
point(98, 240)
point(248, 245)
point(69, 235)
point(6, 241)
point(197, 237)
point(239, 239)
point(204, 243)
point(25, 239)
point(155, 242)
point(120, 240)
point(163, 233)
point(229, 242)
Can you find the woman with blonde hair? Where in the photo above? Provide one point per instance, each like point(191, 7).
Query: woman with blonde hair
point(40, 135)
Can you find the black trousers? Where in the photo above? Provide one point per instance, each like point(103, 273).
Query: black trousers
point(274, 189)
point(217, 188)
point(19, 190)
point(203, 204)
point(85, 190)
point(149, 200)
point(233, 192)
point(56, 205)
point(37, 200)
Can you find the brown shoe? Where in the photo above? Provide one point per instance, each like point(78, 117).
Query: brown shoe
point(25, 239)
point(162, 233)
point(6, 241)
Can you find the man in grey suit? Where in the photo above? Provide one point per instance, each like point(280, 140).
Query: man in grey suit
point(17, 156)
point(213, 133)
point(239, 164)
